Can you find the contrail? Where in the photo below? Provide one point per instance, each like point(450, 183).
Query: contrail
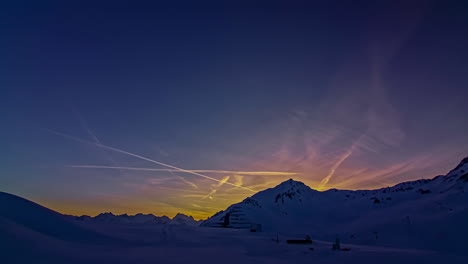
point(96, 139)
point(264, 173)
point(184, 180)
point(215, 187)
point(333, 169)
point(141, 157)
point(85, 126)
point(338, 163)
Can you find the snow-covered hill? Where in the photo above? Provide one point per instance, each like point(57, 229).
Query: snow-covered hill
point(18, 215)
point(429, 213)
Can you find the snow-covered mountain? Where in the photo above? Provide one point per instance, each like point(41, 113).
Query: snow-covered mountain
point(20, 217)
point(110, 218)
point(181, 219)
point(429, 213)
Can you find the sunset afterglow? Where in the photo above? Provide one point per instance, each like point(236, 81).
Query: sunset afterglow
point(131, 109)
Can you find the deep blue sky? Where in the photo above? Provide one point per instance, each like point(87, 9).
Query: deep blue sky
point(348, 94)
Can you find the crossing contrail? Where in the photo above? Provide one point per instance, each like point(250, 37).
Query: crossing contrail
point(263, 173)
point(215, 187)
point(141, 157)
point(333, 169)
point(85, 126)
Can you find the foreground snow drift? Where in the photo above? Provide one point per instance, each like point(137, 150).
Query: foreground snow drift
point(188, 244)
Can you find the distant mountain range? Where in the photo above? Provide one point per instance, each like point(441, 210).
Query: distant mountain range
point(110, 218)
point(427, 213)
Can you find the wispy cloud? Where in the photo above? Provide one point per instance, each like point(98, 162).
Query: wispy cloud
point(193, 185)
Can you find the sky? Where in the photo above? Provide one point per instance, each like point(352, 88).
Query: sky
point(140, 107)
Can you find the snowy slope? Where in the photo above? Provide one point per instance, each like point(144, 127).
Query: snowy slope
point(16, 211)
point(430, 213)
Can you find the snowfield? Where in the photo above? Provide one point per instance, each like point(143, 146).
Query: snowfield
point(424, 221)
point(188, 244)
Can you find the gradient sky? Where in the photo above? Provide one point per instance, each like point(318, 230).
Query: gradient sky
point(345, 94)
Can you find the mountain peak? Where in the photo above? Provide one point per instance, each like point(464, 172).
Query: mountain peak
point(291, 185)
point(464, 161)
point(289, 189)
point(291, 182)
point(460, 169)
point(182, 217)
